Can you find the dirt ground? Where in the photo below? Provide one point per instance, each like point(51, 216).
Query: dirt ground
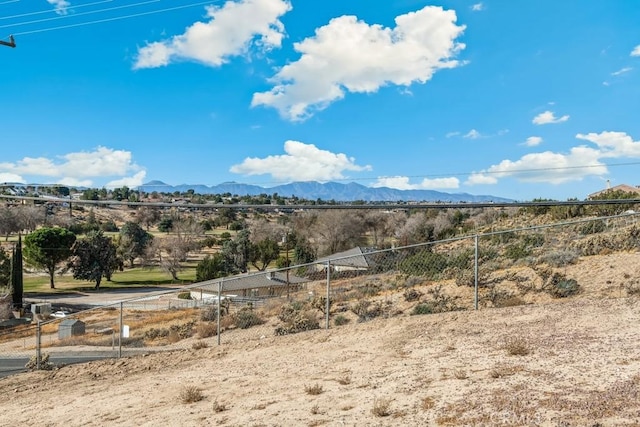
point(562, 362)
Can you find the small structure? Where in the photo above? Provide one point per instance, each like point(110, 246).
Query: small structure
point(70, 328)
point(355, 259)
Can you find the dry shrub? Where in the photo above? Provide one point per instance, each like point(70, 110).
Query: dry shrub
point(460, 374)
point(191, 394)
point(206, 329)
point(296, 319)
point(218, 407)
point(517, 346)
point(344, 380)
point(313, 390)
point(198, 345)
point(502, 371)
point(428, 403)
point(381, 407)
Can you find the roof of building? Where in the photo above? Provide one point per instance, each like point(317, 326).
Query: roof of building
point(266, 279)
point(356, 257)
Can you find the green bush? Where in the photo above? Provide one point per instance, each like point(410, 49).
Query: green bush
point(560, 286)
point(340, 320)
point(246, 318)
point(423, 308)
point(425, 263)
point(184, 295)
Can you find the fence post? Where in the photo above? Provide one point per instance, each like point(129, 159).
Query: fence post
point(120, 333)
point(218, 310)
point(38, 347)
point(475, 275)
point(328, 303)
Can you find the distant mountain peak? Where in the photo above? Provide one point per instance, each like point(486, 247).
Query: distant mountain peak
point(312, 190)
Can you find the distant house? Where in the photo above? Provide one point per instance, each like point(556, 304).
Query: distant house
point(266, 284)
point(355, 259)
point(622, 187)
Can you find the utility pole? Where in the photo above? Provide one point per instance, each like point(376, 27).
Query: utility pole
point(10, 43)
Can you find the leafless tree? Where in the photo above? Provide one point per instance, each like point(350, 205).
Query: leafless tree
point(175, 248)
point(8, 221)
point(147, 216)
point(334, 230)
point(30, 217)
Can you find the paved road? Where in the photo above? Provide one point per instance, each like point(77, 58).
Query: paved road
point(103, 297)
point(15, 365)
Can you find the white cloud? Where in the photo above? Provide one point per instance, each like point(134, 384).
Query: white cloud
point(302, 162)
point(549, 117)
point(533, 141)
point(622, 71)
point(613, 144)
point(472, 134)
point(61, 6)
point(481, 179)
point(556, 168)
point(11, 177)
point(452, 134)
point(477, 7)
point(403, 183)
point(636, 51)
point(349, 55)
point(128, 181)
point(231, 30)
point(74, 168)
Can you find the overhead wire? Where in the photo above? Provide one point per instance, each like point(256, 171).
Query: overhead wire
point(115, 18)
point(8, 1)
point(40, 12)
point(91, 12)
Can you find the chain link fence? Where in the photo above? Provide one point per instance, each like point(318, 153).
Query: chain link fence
point(494, 269)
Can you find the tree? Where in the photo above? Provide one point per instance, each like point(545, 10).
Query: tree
point(47, 247)
point(147, 216)
point(263, 252)
point(175, 248)
point(9, 222)
point(133, 241)
point(212, 267)
point(17, 282)
point(237, 251)
point(5, 268)
point(94, 257)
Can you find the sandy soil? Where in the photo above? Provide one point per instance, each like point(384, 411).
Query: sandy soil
point(577, 363)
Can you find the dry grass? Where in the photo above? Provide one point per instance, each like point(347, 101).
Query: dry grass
point(191, 394)
point(460, 374)
point(206, 329)
point(198, 345)
point(502, 371)
point(517, 346)
point(218, 407)
point(344, 379)
point(381, 407)
point(427, 403)
point(313, 390)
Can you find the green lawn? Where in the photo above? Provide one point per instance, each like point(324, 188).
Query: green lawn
point(130, 277)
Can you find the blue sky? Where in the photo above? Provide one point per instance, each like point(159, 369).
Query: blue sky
point(519, 99)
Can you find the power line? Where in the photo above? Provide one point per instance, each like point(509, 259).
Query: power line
point(117, 18)
point(91, 12)
point(9, 1)
point(22, 15)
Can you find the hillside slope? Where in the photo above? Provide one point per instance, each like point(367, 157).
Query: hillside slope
point(455, 368)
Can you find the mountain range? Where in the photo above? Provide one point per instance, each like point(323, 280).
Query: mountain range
point(326, 191)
